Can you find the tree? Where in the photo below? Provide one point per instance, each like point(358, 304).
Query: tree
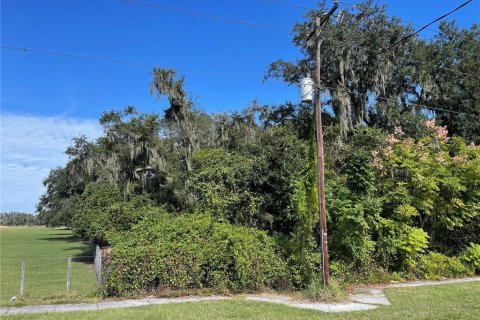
point(55, 207)
point(448, 71)
point(130, 152)
point(181, 115)
point(353, 72)
point(15, 218)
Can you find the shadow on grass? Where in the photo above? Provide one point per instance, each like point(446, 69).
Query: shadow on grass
point(86, 253)
point(60, 237)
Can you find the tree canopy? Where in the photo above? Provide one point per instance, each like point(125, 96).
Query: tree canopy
point(370, 76)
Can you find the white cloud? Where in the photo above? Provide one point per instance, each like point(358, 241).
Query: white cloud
point(30, 147)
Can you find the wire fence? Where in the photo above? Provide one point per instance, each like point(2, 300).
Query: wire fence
point(46, 278)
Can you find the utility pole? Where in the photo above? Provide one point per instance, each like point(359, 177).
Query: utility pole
point(319, 22)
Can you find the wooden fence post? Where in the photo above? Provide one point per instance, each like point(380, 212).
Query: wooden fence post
point(98, 265)
point(69, 273)
point(22, 278)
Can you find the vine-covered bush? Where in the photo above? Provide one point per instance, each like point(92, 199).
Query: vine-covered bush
point(103, 215)
point(304, 259)
point(192, 252)
point(221, 182)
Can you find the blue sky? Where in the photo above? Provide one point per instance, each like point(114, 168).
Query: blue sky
point(46, 100)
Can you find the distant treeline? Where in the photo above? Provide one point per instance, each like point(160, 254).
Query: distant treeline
point(19, 219)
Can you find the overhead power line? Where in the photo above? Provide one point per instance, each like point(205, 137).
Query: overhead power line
point(401, 58)
point(221, 18)
point(430, 23)
point(70, 55)
point(407, 37)
point(423, 27)
point(293, 5)
point(400, 41)
point(395, 101)
point(354, 6)
point(200, 14)
point(287, 4)
point(264, 26)
point(436, 31)
point(208, 73)
point(341, 2)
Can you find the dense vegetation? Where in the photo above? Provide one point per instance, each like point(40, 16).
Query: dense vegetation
point(229, 201)
point(195, 251)
point(19, 219)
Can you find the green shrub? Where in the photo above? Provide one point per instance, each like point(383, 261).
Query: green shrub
point(221, 182)
point(334, 292)
point(352, 221)
point(412, 243)
point(193, 252)
point(400, 246)
point(360, 175)
point(471, 257)
point(435, 266)
point(103, 216)
point(366, 274)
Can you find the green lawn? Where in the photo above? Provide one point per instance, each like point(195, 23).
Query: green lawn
point(46, 252)
point(451, 301)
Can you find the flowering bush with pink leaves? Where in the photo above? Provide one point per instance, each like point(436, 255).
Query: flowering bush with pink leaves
point(441, 174)
point(405, 199)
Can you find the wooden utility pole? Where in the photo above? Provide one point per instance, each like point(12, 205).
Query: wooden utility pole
point(320, 159)
point(320, 154)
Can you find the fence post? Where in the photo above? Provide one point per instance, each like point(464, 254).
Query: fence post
point(69, 273)
point(98, 265)
point(22, 278)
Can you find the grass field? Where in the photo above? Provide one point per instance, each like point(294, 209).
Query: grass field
point(451, 301)
point(46, 252)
